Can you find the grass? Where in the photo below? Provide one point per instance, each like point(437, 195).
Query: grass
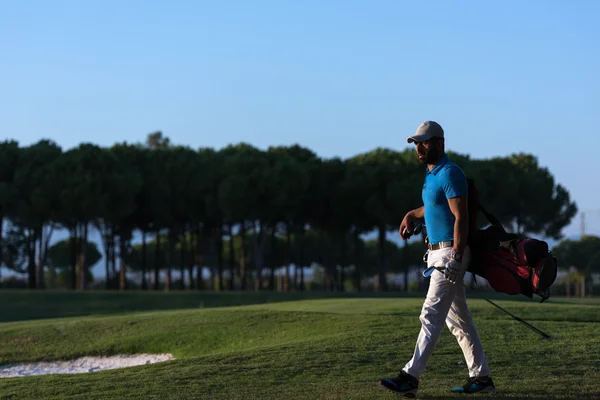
point(324, 348)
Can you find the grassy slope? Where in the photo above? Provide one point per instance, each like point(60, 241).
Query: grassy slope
point(313, 349)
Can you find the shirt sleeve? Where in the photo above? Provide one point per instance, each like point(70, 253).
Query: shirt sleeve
point(455, 183)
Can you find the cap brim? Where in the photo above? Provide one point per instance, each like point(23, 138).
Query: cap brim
point(418, 138)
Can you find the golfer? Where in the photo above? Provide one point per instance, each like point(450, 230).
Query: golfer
point(446, 218)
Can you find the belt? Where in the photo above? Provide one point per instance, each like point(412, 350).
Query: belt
point(440, 245)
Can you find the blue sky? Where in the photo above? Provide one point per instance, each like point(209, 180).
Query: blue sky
point(340, 77)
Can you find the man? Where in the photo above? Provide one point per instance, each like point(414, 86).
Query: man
point(445, 215)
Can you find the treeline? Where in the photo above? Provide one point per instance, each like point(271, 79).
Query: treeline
point(239, 213)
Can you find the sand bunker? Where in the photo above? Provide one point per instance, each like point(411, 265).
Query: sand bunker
point(81, 365)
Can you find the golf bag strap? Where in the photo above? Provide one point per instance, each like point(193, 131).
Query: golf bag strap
point(493, 220)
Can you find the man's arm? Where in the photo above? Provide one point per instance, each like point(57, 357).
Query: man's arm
point(456, 189)
point(459, 207)
point(418, 213)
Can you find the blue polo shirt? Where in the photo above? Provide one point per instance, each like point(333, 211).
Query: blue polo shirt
point(445, 181)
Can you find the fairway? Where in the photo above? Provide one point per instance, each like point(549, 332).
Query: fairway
point(329, 348)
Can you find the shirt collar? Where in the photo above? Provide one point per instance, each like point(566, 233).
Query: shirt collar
point(443, 161)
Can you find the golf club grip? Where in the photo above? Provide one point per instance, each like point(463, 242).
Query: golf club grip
point(417, 228)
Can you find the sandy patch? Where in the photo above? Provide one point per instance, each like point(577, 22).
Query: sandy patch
point(81, 365)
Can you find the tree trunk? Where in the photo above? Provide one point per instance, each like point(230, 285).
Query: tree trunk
point(122, 263)
point(190, 244)
point(258, 240)
point(220, 258)
point(382, 283)
point(295, 277)
point(357, 263)
point(44, 256)
point(170, 260)
point(39, 266)
point(107, 255)
point(199, 257)
point(273, 260)
point(212, 256)
point(231, 258)
point(84, 282)
point(113, 259)
point(344, 261)
point(288, 256)
point(243, 256)
point(157, 262)
point(301, 260)
point(81, 250)
point(73, 256)
point(104, 229)
point(31, 259)
point(144, 281)
point(182, 261)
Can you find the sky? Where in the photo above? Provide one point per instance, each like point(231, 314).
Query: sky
point(340, 77)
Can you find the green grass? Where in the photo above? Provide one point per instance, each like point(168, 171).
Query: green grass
point(330, 348)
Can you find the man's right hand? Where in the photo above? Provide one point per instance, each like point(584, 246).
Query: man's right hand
point(407, 225)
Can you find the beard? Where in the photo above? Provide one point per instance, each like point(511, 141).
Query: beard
point(428, 156)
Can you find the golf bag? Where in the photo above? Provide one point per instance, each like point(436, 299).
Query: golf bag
point(511, 263)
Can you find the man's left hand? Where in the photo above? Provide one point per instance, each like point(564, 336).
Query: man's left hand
point(453, 270)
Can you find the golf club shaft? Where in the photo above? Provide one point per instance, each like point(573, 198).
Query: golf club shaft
point(533, 328)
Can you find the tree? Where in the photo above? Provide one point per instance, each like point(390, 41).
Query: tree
point(326, 218)
point(244, 168)
point(583, 254)
point(290, 178)
point(524, 196)
point(59, 260)
point(387, 177)
point(83, 199)
point(156, 140)
point(211, 214)
point(34, 208)
point(257, 209)
point(9, 158)
point(182, 169)
point(120, 186)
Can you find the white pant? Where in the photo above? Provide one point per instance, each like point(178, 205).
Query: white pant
point(447, 302)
